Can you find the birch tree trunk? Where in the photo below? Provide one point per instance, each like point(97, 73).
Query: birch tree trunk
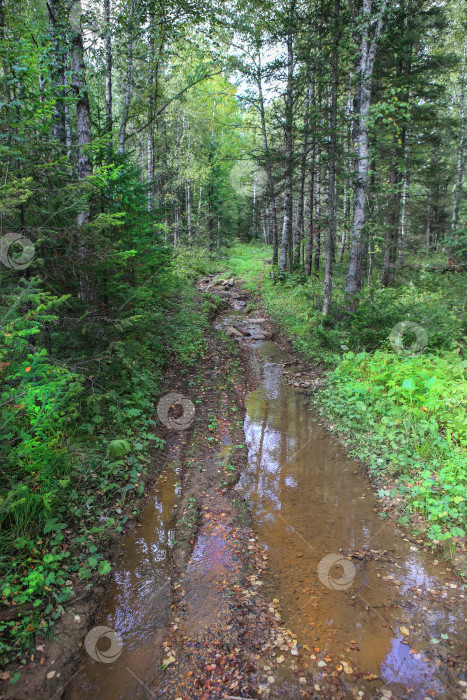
point(461, 147)
point(347, 183)
point(108, 69)
point(267, 156)
point(68, 139)
point(153, 95)
point(362, 100)
point(211, 190)
point(176, 187)
point(317, 217)
point(405, 202)
point(344, 225)
point(129, 75)
point(57, 76)
point(84, 163)
point(286, 238)
point(388, 273)
point(4, 61)
point(188, 209)
point(298, 230)
point(151, 109)
point(309, 211)
point(331, 229)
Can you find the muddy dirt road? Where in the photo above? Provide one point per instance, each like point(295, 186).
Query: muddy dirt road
point(286, 581)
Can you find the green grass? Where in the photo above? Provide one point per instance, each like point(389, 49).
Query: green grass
point(406, 419)
point(295, 304)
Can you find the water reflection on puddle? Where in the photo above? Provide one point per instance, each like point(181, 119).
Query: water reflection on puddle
point(309, 501)
point(137, 605)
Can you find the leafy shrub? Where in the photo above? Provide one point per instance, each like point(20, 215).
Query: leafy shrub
point(407, 417)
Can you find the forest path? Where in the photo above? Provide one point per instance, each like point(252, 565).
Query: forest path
point(364, 612)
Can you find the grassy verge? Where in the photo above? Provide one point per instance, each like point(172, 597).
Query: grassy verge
point(403, 414)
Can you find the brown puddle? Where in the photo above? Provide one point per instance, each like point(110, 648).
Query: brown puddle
point(309, 502)
point(137, 605)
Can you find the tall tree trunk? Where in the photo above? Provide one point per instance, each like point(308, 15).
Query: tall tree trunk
point(128, 80)
point(317, 216)
point(388, 273)
point(461, 147)
point(286, 239)
point(365, 261)
point(68, 139)
point(263, 217)
point(347, 184)
point(331, 229)
point(151, 169)
point(84, 163)
point(429, 220)
point(345, 214)
point(211, 187)
point(405, 202)
point(152, 105)
point(56, 24)
point(253, 210)
point(298, 230)
point(108, 69)
point(188, 209)
point(363, 83)
point(268, 163)
point(4, 62)
point(176, 187)
point(309, 211)
point(151, 111)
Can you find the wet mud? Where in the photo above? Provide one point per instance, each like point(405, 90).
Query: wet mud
point(364, 611)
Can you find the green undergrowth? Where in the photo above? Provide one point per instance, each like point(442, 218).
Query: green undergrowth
point(77, 437)
point(406, 420)
point(437, 304)
point(404, 414)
